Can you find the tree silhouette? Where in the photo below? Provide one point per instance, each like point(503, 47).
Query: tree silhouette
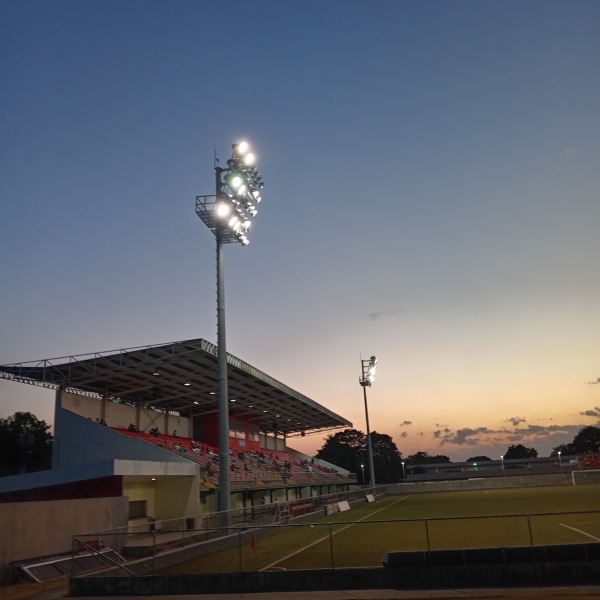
point(422, 458)
point(25, 444)
point(520, 451)
point(348, 449)
point(585, 442)
point(387, 459)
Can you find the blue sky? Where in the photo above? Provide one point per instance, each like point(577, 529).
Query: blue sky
point(431, 196)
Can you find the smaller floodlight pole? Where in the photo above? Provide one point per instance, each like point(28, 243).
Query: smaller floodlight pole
point(228, 215)
point(366, 380)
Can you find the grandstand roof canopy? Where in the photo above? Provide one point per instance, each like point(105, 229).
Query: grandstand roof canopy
point(182, 377)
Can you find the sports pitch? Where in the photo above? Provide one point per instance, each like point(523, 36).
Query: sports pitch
point(361, 536)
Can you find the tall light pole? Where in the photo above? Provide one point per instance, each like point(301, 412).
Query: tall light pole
point(228, 215)
point(366, 380)
point(403, 472)
point(503, 471)
point(362, 468)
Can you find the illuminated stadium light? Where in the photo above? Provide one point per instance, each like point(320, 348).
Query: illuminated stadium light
point(238, 191)
point(368, 371)
point(366, 380)
point(223, 209)
point(228, 214)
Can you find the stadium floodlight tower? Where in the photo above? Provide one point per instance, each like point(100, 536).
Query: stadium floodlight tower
point(228, 214)
point(366, 380)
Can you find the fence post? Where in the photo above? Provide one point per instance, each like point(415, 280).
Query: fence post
point(530, 533)
point(73, 540)
point(154, 552)
point(240, 549)
point(331, 547)
point(428, 541)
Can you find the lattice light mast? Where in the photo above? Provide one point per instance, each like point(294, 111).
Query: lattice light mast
point(228, 214)
point(366, 380)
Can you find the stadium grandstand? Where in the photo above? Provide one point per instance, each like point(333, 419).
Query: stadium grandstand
point(135, 444)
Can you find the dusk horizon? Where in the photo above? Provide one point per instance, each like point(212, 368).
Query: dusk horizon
point(432, 177)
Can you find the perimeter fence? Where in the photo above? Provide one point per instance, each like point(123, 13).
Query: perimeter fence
point(332, 544)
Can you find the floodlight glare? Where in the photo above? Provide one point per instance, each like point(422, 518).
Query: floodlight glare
point(223, 209)
point(371, 370)
point(235, 181)
point(241, 148)
point(249, 159)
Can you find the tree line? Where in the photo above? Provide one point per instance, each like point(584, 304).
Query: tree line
point(348, 449)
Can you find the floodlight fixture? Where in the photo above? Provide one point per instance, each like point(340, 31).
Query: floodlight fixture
point(368, 371)
point(223, 209)
point(240, 148)
point(238, 189)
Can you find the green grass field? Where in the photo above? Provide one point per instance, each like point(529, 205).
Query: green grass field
point(361, 536)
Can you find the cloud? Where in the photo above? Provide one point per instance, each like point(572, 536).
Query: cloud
point(405, 423)
point(594, 412)
point(516, 421)
point(594, 382)
point(484, 436)
point(462, 437)
point(391, 312)
point(404, 434)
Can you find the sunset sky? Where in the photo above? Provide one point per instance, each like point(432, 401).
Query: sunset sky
point(432, 196)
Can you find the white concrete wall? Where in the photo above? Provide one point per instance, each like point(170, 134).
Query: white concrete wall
point(121, 415)
point(32, 529)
